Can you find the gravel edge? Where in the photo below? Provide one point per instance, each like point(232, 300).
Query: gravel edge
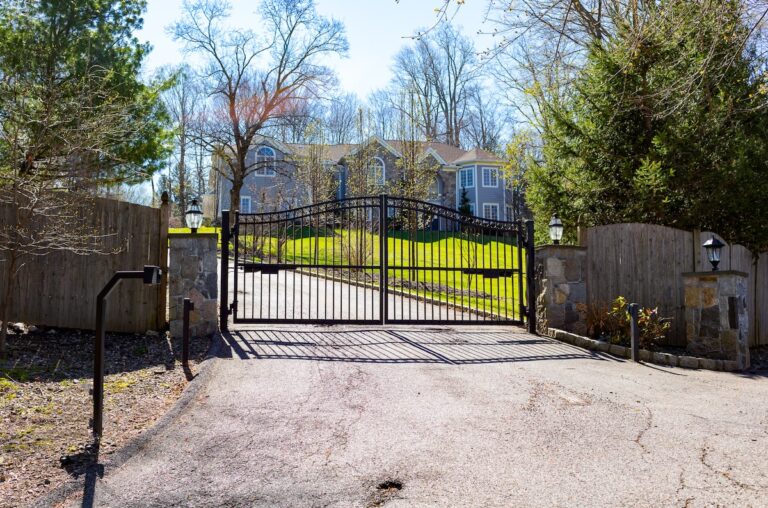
point(121, 456)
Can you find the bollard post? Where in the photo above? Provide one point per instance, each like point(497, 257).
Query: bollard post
point(188, 306)
point(634, 331)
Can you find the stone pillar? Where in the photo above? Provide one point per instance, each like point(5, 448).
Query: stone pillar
point(716, 316)
point(562, 299)
point(193, 274)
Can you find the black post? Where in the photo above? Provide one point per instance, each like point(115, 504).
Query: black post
point(150, 275)
point(530, 303)
point(188, 306)
point(635, 331)
point(224, 296)
point(383, 255)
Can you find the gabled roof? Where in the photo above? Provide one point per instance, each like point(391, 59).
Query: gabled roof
point(477, 155)
point(333, 153)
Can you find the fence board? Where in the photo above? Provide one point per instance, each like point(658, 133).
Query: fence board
point(60, 289)
point(643, 263)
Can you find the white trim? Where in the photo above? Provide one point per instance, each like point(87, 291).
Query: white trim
point(265, 170)
point(482, 175)
point(381, 141)
point(431, 151)
point(383, 171)
point(472, 208)
point(508, 213)
point(248, 199)
point(461, 183)
point(494, 206)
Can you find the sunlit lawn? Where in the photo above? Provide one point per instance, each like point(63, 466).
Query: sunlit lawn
point(429, 251)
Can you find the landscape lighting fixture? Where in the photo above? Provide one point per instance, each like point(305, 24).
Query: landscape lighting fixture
point(714, 248)
point(556, 229)
point(194, 216)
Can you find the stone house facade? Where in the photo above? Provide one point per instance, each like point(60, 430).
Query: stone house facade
point(274, 186)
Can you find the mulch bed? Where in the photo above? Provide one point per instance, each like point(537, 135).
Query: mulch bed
point(45, 404)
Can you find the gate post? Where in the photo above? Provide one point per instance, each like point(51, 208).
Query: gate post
point(383, 258)
point(530, 277)
point(224, 296)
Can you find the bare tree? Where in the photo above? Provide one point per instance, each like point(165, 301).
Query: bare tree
point(254, 81)
point(485, 122)
point(340, 119)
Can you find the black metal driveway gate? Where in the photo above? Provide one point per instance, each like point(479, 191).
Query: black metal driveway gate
point(379, 259)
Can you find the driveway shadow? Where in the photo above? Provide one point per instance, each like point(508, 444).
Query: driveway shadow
point(456, 347)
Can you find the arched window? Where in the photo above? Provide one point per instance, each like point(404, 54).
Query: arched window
point(265, 160)
point(436, 189)
point(376, 171)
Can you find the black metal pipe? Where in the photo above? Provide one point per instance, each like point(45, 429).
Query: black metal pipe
point(224, 297)
point(635, 331)
point(188, 306)
point(99, 346)
point(531, 290)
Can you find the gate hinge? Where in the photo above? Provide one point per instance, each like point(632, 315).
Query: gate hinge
point(524, 310)
point(232, 307)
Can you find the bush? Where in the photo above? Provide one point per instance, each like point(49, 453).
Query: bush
point(612, 324)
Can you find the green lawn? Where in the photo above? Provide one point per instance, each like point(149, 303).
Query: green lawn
point(429, 250)
point(426, 251)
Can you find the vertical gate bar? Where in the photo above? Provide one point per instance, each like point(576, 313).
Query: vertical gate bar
point(301, 272)
point(454, 265)
point(520, 290)
point(236, 230)
point(530, 307)
point(333, 264)
point(506, 279)
point(284, 256)
point(383, 258)
point(224, 298)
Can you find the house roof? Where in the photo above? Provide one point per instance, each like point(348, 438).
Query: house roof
point(446, 154)
point(477, 155)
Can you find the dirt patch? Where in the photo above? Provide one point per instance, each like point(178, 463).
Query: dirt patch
point(385, 491)
point(45, 402)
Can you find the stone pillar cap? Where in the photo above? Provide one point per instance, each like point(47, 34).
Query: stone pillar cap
point(193, 235)
point(715, 273)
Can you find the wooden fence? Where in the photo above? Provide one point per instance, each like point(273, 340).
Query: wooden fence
point(644, 263)
point(59, 289)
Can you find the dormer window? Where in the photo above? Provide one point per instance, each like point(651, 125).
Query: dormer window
point(265, 161)
point(376, 171)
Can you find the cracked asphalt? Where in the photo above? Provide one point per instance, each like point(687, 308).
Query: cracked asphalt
point(465, 417)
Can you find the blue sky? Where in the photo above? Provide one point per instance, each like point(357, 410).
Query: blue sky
point(375, 30)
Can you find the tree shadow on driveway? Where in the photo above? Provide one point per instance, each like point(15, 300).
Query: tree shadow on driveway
point(454, 347)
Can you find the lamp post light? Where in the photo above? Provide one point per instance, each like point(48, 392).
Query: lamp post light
point(555, 229)
point(714, 247)
point(150, 275)
point(194, 216)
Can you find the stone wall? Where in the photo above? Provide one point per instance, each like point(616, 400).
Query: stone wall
point(561, 302)
point(716, 316)
point(193, 274)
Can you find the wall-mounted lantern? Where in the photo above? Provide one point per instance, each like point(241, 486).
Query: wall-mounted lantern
point(714, 248)
point(555, 229)
point(194, 216)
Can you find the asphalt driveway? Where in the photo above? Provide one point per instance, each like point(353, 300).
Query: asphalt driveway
point(464, 417)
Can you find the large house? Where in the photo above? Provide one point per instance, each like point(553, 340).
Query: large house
point(475, 173)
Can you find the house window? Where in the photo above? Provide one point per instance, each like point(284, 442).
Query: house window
point(467, 178)
point(491, 211)
point(245, 204)
point(490, 177)
point(376, 171)
point(265, 161)
point(510, 214)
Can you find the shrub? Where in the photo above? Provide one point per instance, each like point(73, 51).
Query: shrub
point(612, 323)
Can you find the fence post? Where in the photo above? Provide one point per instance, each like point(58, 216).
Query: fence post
point(224, 296)
point(634, 332)
point(531, 279)
point(383, 255)
point(162, 290)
